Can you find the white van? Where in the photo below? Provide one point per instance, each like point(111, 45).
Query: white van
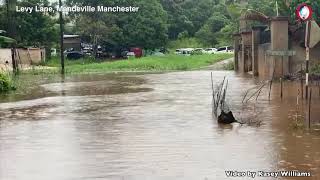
point(210, 50)
point(225, 49)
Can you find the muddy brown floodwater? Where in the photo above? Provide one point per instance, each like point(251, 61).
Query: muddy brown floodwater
point(152, 126)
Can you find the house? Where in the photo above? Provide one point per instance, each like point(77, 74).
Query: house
point(72, 41)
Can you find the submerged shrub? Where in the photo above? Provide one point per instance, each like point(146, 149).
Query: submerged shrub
point(6, 84)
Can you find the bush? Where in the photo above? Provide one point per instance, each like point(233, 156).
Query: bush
point(6, 84)
point(185, 43)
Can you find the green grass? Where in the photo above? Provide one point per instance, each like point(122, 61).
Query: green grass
point(150, 64)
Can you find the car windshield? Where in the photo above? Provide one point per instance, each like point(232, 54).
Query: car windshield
point(222, 49)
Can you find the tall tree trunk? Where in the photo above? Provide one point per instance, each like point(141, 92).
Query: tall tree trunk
point(61, 38)
point(11, 6)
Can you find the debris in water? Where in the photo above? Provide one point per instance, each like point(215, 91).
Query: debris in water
point(226, 118)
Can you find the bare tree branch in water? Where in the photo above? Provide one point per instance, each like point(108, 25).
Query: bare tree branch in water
point(219, 96)
point(249, 113)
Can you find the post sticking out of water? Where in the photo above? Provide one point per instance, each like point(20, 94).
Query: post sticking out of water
point(298, 97)
point(319, 87)
point(301, 81)
point(281, 86)
point(307, 58)
point(271, 81)
point(277, 8)
point(212, 83)
point(309, 117)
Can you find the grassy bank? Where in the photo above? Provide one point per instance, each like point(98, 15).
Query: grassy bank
point(150, 63)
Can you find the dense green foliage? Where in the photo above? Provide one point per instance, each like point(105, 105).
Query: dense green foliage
point(185, 42)
point(6, 84)
point(211, 22)
point(32, 29)
point(150, 63)
point(146, 28)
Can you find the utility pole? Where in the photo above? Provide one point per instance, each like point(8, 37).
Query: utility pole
point(277, 8)
point(61, 37)
point(307, 40)
point(11, 5)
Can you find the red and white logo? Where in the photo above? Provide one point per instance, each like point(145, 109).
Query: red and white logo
point(304, 12)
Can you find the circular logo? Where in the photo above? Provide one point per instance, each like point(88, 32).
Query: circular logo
point(304, 12)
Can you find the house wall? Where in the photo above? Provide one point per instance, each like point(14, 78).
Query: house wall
point(5, 56)
point(33, 56)
point(74, 43)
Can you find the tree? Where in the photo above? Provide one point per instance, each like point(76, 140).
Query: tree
point(32, 29)
point(188, 15)
point(208, 34)
point(146, 28)
point(177, 21)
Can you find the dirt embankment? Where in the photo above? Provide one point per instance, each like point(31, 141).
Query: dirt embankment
point(222, 65)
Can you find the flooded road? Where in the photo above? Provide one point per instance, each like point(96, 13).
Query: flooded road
point(153, 126)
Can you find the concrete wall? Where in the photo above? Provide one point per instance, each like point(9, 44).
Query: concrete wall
point(280, 42)
point(265, 65)
point(255, 46)
point(300, 57)
point(245, 64)
point(253, 54)
point(264, 61)
point(5, 56)
point(33, 56)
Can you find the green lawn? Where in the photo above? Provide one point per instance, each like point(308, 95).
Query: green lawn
point(150, 63)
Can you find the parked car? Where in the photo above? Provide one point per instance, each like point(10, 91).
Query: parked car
point(225, 49)
point(74, 55)
point(210, 50)
point(198, 51)
point(54, 52)
point(187, 51)
point(131, 54)
point(178, 51)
